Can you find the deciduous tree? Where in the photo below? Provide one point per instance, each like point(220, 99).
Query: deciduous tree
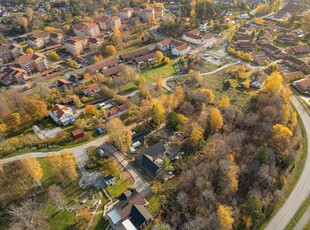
point(176, 121)
point(159, 56)
point(216, 120)
point(224, 103)
point(33, 167)
point(69, 166)
point(159, 83)
point(110, 50)
point(209, 93)
point(56, 195)
point(119, 134)
point(293, 121)
point(225, 215)
point(158, 113)
point(273, 83)
point(90, 110)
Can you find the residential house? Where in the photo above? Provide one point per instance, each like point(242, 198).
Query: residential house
point(92, 89)
point(257, 54)
point(270, 28)
point(128, 57)
point(109, 180)
point(103, 65)
point(68, 101)
point(194, 37)
point(246, 29)
point(180, 50)
point(13, 75)
point(297, 64)
point(63, 84)
point(57, 38)
point(265, 37)
point(273, 50)
point(95, 43)
point(112, 71)
point(177, 47)
point(10, 52)
point(36, 42)
point(146, 13)
point(35, 62)
point(303, 85)
point(287, 39)
point(298, 50)
point(107, 22)
point(261, 60)
point(150, 160)
point(90, 29)
point(145, 59)
point(258, 82)
point(245, 47)
point(240, 42)
point(62, 115)
point(116, 111)
point(293, 76)
point(125, 13)
point(300, 32)
point(130, 212)
point(76, 45)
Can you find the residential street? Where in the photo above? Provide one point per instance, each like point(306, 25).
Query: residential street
point(302, 188)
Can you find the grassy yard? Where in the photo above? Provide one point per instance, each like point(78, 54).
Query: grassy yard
point(238, 98)
point(154, 205)
point(99, 223)
point(121, 186)
point(164, 70)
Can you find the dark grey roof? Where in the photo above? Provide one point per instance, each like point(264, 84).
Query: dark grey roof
point(139, 215)
point(155, 149)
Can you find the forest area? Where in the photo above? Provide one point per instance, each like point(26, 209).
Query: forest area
point(239, 161)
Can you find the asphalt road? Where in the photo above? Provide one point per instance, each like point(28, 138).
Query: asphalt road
point(303, 220)
point(302, 188)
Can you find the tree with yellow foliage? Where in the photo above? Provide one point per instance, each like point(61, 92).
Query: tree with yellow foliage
point(159, 83)
point(69, 166)
point(119, 134)
point(159, 56)
point(209, 94)
point(225, 216)
point(29, 51)
point(286, 113)
point(232, 174)
point(224, 103)
point(247, 84)
point(216, 120)
point(179, 96)
point(158, 113)
point(33, 167)
point(54, 163)
point(281, 134)
point(110, 50)
point(117, 37)
point(90, 110)
point(196, 136)
point(273, 83)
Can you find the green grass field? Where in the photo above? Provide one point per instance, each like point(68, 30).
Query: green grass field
point(120, 186)
point(163, 70)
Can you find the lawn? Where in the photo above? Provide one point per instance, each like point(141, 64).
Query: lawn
point(59, 219)
point(154, 205)
point(163, 70)
point(99, 223)
point(120, 186)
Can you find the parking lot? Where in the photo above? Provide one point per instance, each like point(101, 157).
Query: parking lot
point(214, 60)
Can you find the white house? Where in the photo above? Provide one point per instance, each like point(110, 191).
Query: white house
point(177, 47)
point(194, 37)
point(62, 115)
point(181, 50)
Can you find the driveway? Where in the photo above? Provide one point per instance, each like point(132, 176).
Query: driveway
point(141, 185)
point(302, 188)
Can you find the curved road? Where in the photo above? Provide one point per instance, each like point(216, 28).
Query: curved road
point(302, 188)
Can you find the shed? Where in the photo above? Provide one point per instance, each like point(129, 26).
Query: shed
point(77, 133)
point(99, 131)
